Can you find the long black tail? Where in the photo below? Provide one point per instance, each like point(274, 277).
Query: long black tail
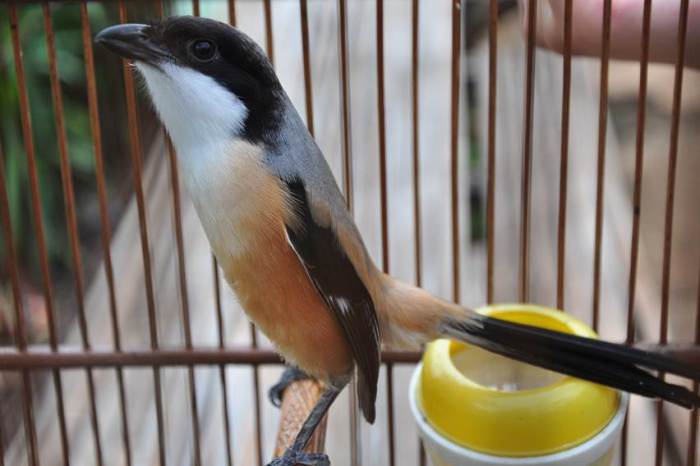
point(617, 366)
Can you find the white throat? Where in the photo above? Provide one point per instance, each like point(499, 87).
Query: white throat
point(197, 111)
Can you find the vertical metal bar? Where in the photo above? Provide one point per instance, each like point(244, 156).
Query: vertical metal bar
point(355, 427)
point(637, 197)
point(304, 14)
point(134, 139)
point(256, 390)
point(219, 308)
point(70, 215)
point(390, 412)
point(345, 101)
point(491, 155)
point(355, 438)
point(693, 434)
point(184, 298)
point(454, 142)
point(602, 131)
point(267, 7)
point(177, 211)
point(38, 220)
point(220, 316)
point(269, 43)
point(381, 114)
point(232, 12)
point(222, 367)
point(20, 335)
point(639, 168)
point(415, 123)
point(104, 217)
point(670, 198)
point(564, 167)
point(194, 412)
point(220, 319)
point(227, 421)
point(527, 153)
point(415, 11)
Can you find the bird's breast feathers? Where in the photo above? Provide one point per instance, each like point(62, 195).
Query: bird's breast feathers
point(238, 201)
point(243, 209)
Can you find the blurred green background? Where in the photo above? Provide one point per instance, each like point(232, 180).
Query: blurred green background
point(66, 22)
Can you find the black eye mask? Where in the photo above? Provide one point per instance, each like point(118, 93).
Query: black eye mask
point(234, 61)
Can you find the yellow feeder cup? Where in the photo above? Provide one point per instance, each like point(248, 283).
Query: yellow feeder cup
point(477, 408)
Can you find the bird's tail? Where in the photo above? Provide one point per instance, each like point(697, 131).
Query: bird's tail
point(614, 365)
point(411, 315)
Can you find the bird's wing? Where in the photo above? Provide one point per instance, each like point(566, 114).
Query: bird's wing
point(335, 277)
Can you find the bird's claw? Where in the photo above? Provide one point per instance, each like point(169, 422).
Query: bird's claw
point(294, 458)
point(276, 392)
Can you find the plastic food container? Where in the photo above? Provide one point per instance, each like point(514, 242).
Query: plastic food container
point(474, 408)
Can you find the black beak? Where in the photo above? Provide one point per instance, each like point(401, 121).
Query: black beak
point(132, 42)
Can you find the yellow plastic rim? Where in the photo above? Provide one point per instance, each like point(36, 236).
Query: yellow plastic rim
point(530, 422)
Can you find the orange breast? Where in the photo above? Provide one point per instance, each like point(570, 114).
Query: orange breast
point(243, 210)
point(277, 295)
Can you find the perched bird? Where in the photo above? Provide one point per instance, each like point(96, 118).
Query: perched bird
point(288, 246)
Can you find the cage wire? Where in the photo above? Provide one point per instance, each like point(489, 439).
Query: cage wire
point(475, 165)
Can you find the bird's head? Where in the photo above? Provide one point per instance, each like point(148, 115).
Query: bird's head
point(208, 80)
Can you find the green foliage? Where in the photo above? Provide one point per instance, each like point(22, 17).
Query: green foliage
point(69, 53)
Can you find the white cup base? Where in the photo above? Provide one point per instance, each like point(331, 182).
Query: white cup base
point(596, 451)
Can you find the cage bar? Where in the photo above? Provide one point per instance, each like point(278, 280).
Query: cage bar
point(491, 149)
point(308, 89)
point(564, 167)
point(391, 435)
point(105, 228)
point(69, 202)
point(270, 46)
point(184, 298)
point(346, 152)
point(454, 142)
point(415, 137)
point(19, 324)
point(135, 146)
point(381, 128)
point(256, 394)
point(600, 182)
point(56, 357)
point(345, 101)
point(526, 183)
point(637, 196)
point(670, 198)
point(39, 231)
point(232, 12)
point(222, 367)
point(37, 357)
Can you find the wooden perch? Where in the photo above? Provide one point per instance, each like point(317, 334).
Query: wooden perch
point(298, 401)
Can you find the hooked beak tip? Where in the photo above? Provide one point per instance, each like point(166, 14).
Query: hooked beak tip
point(120, 32)
point(131, 41)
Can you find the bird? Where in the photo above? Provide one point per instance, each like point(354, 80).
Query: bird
point(288, 246)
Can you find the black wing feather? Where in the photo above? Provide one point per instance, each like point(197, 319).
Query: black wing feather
point(336, 279)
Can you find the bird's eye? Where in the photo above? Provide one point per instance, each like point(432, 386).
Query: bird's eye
point(203, 49)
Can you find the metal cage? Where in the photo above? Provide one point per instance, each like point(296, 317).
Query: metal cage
point(407, 162)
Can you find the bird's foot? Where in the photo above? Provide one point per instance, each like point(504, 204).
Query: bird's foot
point(293, 458)
point(276, 392)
